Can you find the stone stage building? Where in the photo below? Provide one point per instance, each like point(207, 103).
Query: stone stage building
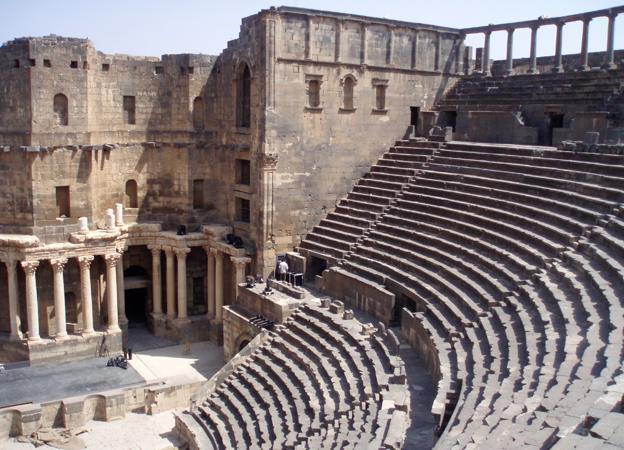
point(145, 190)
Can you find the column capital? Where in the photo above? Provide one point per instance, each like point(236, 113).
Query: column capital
point(85, 261)
point(215, 251)
point(180, 252)
point(587, 19)
point(240, 260)
point(156, 248)
point(168, 250)
point(487, 33)
point(112, 259)
point(30, 267)
point(560, 24)
point(58, 264)
point(9, 263)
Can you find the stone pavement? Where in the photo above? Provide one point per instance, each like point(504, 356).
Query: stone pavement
point(135, 432)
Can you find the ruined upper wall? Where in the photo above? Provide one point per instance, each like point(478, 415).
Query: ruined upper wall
point(327, 37)
point(35, 70)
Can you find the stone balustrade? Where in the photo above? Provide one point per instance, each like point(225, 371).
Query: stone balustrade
point(534, 26)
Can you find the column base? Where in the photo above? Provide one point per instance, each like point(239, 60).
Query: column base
point(86, 333)
point(533, 71)
point(60, 337)
point(583, 68)
point(16, 337)
point(34, 338)
point(113, 329)
point(557, 69)
point(609, 66)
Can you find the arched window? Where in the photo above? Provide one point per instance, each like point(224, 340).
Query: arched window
point(61, 116)
point(198, 113)
point(243, 97)
point(314, 93)
point(347, 90)
point(131, 194)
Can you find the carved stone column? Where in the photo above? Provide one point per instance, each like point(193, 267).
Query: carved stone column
point(265, 258)
point(510, 34)
point(609, 63)
point(558, 43)
point(181, 256)
point(58, 265)
point(584, 61)
point(533, 57)
point(14, 318)
point(156, 282)
point(210, 282)
point(170, 282)
point(239, 266)
point(218, 286)
point(32, 304)
point(85, 290)
point(121, 291)
point(485, 64)
point(112, 260)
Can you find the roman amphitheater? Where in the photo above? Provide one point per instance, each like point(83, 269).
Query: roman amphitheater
point(444, 217)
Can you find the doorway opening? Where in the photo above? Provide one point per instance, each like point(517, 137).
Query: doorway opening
point(401, 301)
point(315, 267)
point(555, 121)
point(414, 116)
point(136, 283)
point(136, 301)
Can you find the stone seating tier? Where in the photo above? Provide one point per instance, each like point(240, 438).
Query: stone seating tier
point(514, 257)
point(318, 376)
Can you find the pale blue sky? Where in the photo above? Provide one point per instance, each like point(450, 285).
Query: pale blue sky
point(156, 27)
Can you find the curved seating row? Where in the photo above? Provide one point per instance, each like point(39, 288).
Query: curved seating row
point(319, 378)
point(514, 258)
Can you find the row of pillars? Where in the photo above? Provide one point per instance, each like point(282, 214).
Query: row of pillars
point(609, 62)
point(115, 289)
point(114, 271)
point(177, 257)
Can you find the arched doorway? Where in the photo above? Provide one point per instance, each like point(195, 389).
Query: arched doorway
point(243, 344)
point(136, 284)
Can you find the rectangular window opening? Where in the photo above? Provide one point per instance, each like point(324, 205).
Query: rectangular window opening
point(243, 210)
point(198, 194)
point(159, 70)
point(16, 63)
point(191, 69)
point(243, 172)
point(85, 65)
point(47, 63)
point(62, 201)
point(73, 64)
point(32, 62)
point(105, 67)
point(129, 109)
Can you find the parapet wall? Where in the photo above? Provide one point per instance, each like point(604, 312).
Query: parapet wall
point(62, 91)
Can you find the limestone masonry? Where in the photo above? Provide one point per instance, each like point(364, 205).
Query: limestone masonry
point(474, 208)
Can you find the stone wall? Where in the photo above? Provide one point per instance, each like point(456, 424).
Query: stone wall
point(319, 153)
point(35, 70)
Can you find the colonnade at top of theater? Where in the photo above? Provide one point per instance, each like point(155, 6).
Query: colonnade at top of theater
point(175, 296)
point(559, 22)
